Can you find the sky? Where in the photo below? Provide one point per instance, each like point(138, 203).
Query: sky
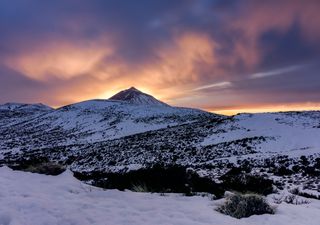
point(225, 56)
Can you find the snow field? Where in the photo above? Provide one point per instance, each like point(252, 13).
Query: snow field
point(34, 199)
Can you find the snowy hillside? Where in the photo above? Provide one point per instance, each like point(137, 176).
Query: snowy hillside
point(200, 142)
point(87, 122)
point(34, 199)
point(287, 132)
point(13, 113)
point(118, 136)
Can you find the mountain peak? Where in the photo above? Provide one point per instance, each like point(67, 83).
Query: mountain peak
point(134, 96)
point(133, 89)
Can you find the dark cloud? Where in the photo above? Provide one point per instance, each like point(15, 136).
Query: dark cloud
point(300, 86)
point(16, 87)
point(287, 48)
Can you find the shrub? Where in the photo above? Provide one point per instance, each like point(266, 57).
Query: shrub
point(142, 187)
point(240, 206)
point(311, 171)
point(304, 160)
point(40, 165)
point(317, 163)
point(236, 180)
point(282, 171)
point(48, 168)
point(296, 168)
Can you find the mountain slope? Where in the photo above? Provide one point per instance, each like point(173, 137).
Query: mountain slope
point(207, 142)
point(200, 143)
point(12, 113)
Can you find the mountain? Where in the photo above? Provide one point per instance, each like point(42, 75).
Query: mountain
point(133, 130)
point(92, 121)
point(134, 96)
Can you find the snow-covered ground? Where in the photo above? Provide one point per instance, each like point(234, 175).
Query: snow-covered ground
point(289, 132)
point(34, 199)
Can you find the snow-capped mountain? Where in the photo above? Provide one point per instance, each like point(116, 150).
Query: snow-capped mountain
point(133, 130)
point(133, 95)
point(90, 121)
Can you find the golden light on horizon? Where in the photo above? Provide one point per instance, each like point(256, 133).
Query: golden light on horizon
point(267, 108)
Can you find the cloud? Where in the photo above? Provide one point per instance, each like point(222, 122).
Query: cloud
point(61, 60)
point(276, 71)
point(74, 71)
point(254, 20)
point(223, 84)
point(60, 51)
point(175, 66)
point(296, 87)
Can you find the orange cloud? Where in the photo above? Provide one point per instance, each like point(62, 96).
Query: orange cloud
point(95, 70)
point(180, 63)
point(177, 66)
point(62, 60)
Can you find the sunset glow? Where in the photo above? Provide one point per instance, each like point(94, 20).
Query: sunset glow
point(262, 109)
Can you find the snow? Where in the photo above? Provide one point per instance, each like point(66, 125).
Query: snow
point(289, 133)
point(34, 199)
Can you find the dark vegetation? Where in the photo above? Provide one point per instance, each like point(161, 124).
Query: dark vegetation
point(240, 206)
point(39, 165)
point(178, 179)
point(161, 177)
point(158, 178)
point(238, 180)
point(306, 166)
point(161, 160)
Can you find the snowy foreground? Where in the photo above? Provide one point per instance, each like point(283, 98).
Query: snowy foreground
point(34, 199)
